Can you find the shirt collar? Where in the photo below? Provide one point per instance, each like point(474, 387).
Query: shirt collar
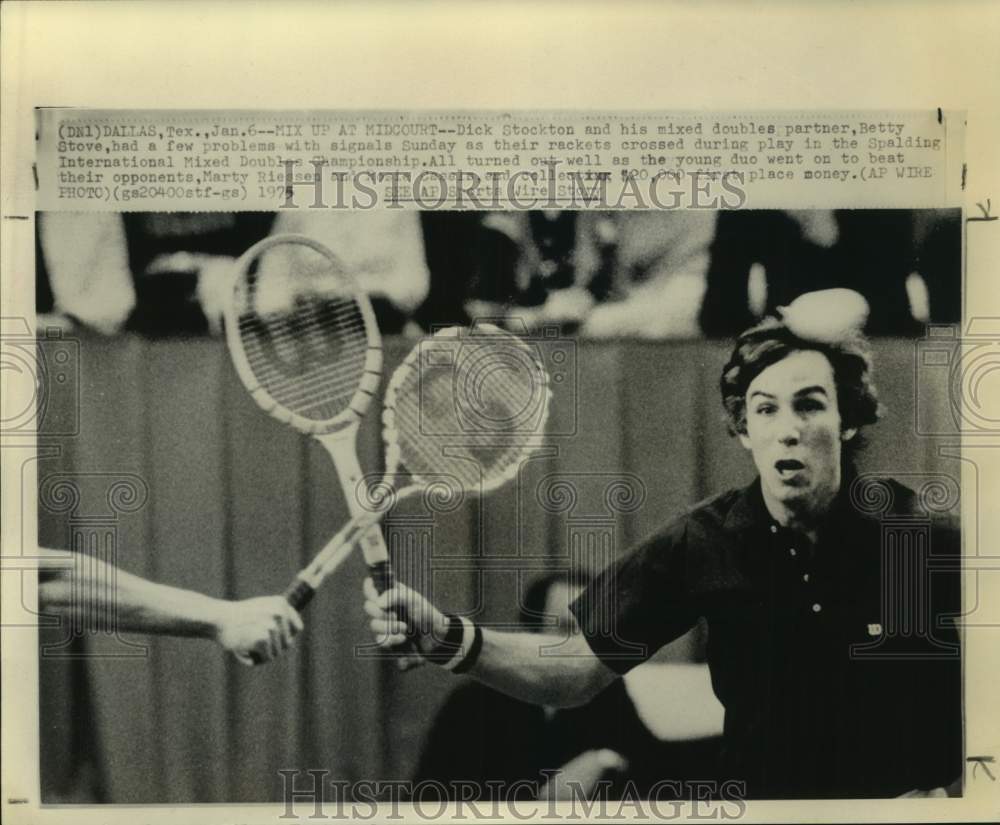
point(749, 512)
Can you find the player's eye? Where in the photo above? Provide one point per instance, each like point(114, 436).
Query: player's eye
point(765, 409)
point(810, 405)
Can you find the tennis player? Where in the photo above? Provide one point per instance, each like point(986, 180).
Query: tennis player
point(263, 627)
point(821, 700)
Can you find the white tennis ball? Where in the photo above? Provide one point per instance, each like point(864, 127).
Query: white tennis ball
point(826, 315)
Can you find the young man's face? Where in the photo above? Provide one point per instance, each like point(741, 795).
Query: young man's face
point(794, 433)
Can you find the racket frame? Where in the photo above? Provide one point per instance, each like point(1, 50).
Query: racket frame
point(338, 435)
point(339, 547)
point(370, 377)
point(522, 441)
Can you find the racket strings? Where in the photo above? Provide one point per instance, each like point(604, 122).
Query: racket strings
point(504, 406)
point(305, 345)
point(326, 399)
point(472, 464)
point(440, 431)
point(429, 436)
point(505, 369)
point(495, 394)
point(308, 310)
point(340, 365)
point(498, 395)
point(334, 311)
point(309, 358)
point(282, 288)
point(300, 387)
point(335, 399)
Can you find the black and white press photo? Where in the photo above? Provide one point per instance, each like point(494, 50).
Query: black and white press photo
point(493, 506)
point(499, 413)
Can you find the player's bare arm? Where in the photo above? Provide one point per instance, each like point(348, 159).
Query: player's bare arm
point(263, 627)
point(509, 662)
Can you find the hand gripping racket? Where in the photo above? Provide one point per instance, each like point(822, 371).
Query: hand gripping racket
point(466, 407)
point(305, 343)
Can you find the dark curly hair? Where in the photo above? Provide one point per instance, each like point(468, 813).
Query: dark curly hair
point(771, 341)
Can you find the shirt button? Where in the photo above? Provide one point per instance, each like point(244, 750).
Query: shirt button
point(805, 577)
point(774, 528)
point(817, 607)
point(791, 551)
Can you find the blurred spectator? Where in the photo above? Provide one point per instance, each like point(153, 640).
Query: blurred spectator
point(527, 270)
point(621, 274)
point(383, 249)
point(608, 274)
point(657, 277)
point(481, 735)
point(761, 260)
point(938, 241)
point(648, 274)
point(451, 247)
point(180, 261)
point(905, 263)
point(875, 255)
point(85, 256)
point(170, 273)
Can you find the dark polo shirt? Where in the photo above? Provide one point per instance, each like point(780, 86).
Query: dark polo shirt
point(839, 673)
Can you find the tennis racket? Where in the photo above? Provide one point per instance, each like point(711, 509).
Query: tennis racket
point(466, 407)
point(305, 344)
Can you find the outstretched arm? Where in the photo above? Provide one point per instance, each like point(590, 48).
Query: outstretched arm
point(263, 627)
point(541, 668)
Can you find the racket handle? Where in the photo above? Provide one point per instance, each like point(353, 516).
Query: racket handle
point(299, 593)
point(382, 577)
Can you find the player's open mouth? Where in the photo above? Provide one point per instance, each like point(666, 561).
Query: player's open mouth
point(788, 467)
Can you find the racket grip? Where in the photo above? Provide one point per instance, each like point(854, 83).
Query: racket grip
point(299, 593)
point(382, 577)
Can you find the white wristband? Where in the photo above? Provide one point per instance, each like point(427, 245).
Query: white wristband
point(468, 634)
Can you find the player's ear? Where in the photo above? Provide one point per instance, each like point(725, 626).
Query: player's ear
point(848, 433)
point(744, 439)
